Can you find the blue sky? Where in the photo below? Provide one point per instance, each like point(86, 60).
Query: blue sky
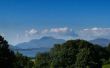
point(20, 16)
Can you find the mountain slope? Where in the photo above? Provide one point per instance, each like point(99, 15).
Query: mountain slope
point(37, 45)
point(101, 41)
point(46, 42)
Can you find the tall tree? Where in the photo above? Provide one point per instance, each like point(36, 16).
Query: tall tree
point(23, 61)
point(108, 48)
point(7, 57)
point(42, 60)
point(72, 54)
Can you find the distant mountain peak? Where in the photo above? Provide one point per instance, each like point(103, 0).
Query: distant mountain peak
point(46, 41)
point(101, 41)
point(41, 45)
point(47, 37)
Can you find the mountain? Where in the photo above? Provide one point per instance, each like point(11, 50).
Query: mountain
point(37, 45)
point(45, 42)
point(101, 41)
point(12, 47)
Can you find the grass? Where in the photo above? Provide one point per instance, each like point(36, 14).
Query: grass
point(106, 66)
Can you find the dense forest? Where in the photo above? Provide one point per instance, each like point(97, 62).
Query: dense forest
point(71, 54)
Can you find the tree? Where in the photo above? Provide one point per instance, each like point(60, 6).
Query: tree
point(42, 60)
point(72, 54)
point(23, 61)
point(108, 48)
point(82, 58)
point(64, 55)
point(107, 61)
point(7, 57)
point(88, 55)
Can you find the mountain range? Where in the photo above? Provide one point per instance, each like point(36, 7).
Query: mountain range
point(101, 41)
point(37, 45)
point(45, 43)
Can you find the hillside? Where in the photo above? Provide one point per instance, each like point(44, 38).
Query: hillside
point(101, 41)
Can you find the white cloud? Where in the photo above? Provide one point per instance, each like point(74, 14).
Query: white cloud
point(65, 33)
point(62, 33)
point(44, 31)
point(60, 30)
point(94, 33)
point(31, 32)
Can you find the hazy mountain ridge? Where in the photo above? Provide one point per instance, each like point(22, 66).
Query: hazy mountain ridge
point(101, 41)
point(37, 45)
point(45, 43)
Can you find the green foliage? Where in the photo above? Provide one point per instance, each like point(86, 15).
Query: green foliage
point(63, 56)
point(82, 58)
point(73, 54)
point(107, 61)
point(108, 48)
point(42, 60)
point(23, 61)
point(7, 57)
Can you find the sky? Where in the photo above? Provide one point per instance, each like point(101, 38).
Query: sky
point(23, 20)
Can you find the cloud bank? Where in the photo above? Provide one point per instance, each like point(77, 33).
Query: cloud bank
point(95, 32)
point(65, 33)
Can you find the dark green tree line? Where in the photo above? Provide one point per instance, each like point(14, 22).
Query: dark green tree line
point(8, 59)
point(73, 54)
